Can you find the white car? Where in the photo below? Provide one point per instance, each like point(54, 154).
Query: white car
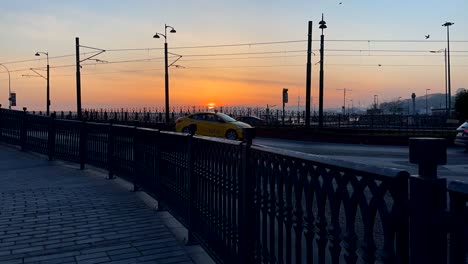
point(462, 136)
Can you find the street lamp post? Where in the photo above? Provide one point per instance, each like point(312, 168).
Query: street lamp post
point(445, 71)
point(322, 26)
point(166, 68)
point(48, 75)
point(447, 25)
point(426, 100)
point(9, 86)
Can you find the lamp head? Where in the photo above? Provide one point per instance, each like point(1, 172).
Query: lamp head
point(322, 24)
point(37, 54)
point(172, 31)
point(156, 35)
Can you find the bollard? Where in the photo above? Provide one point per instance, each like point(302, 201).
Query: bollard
point(428, 153)
point(249, 134)
point(428, 201)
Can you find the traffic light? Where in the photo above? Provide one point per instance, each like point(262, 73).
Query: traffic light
point(285, 95)
point(13, 99)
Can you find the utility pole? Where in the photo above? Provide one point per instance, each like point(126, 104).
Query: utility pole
point(322, 26)
point(344, 98)
point(78, 78)
point(447, 25)
point(446, 82)
point(308, 74)
point(78, 73)
point(285, 100)
point(376, 101)
point(48, 86)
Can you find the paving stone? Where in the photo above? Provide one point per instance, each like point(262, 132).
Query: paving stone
point(106, 248)
point(91, 255)
point(93, 260)
point(52, 212)
point(131, 255)
point(51, 256)
point(176, 259)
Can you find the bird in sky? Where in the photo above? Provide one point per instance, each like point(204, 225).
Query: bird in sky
point(341, 3)
point(380, 65)
point(427, 36)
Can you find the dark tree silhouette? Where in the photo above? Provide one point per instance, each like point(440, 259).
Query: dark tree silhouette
point(461, 105)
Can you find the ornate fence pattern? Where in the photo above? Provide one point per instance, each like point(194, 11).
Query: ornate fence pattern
point(251, 204)
point(310, 209)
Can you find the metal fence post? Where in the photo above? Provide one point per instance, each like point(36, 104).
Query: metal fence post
point(193, 187)
point(428, 202)
point(23, 130)
point(458, 192)
point(247, 216)
point(110, 151)
point(1, 122)
point(157, 170)
point(83, 145)
point(51, 137)
point(136, 159)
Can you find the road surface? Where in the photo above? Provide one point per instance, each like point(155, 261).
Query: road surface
point(377, 155)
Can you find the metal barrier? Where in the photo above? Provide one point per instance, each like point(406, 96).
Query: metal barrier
point(154, 119)
point(252, 204)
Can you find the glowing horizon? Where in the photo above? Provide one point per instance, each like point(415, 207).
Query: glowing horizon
point(249, 75)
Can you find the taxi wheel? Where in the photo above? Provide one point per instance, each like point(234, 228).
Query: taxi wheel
point(231, 134)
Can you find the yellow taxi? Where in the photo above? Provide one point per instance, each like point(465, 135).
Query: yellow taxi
point(213, 125)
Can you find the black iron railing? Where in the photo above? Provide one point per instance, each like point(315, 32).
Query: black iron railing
point(332, 209)
point(251, 204)
point(154, 119)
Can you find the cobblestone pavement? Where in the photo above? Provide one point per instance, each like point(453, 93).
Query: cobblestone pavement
point(52, 212)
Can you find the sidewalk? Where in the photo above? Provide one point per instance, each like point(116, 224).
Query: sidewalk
point(52, 212)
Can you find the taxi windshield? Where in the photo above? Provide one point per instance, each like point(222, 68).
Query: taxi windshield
point(226, 118)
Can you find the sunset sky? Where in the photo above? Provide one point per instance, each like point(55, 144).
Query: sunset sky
point(213, 69)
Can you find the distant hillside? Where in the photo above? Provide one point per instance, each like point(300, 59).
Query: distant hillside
point(434, 101)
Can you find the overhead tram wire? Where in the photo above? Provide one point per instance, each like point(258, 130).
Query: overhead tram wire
point(284, 42)
point(246, 44)
point(260, 66)
point(251, 53)
point(50, 58)
point(266, 52)
point(250, 44)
